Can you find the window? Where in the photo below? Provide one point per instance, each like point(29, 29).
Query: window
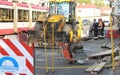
point(63, 9)
point(6, 14)
point(34, 16)
point(23, 15)
point(44, 14)
point(52, 8)
point(38, 16)
point(41, 16)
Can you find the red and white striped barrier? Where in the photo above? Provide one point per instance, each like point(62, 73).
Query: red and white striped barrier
point(16, 58)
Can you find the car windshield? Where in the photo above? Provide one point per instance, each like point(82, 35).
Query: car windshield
point(61, 8)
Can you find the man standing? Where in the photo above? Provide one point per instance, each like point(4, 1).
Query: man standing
point(95, 29)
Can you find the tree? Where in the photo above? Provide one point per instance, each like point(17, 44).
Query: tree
point(99, 3)
point(84, 1)
point(96, 2)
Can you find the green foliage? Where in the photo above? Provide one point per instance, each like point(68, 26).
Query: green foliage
point(84, 1)
point(96, 2)
point(99, 3)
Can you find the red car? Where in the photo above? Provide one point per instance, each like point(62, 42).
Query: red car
point(115, 34)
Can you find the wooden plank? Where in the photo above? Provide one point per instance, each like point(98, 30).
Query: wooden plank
point(89, 69)
point(117, 58)
point(99, 67)
point(102, 54)
point(117, 61)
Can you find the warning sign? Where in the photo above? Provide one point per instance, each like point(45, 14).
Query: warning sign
point(16, 58)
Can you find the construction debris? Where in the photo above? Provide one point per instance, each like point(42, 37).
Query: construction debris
point(95, 68)
point(104, 59)
point(108, 43)
point(103, 54)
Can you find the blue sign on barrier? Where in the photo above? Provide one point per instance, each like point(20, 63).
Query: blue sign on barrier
point(8, 67)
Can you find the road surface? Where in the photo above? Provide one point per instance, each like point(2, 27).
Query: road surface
point(62, 67)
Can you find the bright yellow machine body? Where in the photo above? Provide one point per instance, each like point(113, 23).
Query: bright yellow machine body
point(55, 18)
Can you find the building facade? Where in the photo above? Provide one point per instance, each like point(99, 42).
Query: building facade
point(87, 10)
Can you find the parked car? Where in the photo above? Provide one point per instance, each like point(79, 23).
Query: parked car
point(107, 23)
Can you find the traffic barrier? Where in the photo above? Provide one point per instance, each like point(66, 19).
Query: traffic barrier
point(16, 58)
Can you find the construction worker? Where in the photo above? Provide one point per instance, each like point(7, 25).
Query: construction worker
point(95, 29)
point(101, 28)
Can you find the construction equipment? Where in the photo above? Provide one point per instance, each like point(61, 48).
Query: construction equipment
point(61, 26)
point(73, 53)
point(68, 27)
point(61, 16)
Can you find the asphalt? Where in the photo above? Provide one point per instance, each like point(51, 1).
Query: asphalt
point(62, 67)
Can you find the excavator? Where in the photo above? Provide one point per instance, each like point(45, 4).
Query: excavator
point(61, 16)
point(61, 29)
